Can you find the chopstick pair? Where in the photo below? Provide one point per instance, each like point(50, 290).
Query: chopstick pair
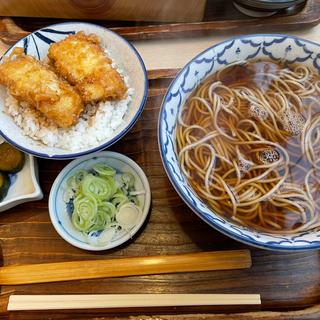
point(76, 270)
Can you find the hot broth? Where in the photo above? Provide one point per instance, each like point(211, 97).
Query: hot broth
point(248, 140)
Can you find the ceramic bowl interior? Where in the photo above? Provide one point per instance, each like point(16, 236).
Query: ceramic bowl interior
point(58, 208)
point(127, 59)
point(24, 185)
point(274, 47)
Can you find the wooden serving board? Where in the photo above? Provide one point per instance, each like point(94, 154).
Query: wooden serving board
point(285, 281)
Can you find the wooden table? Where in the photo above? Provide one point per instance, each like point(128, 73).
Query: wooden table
point(288, 282)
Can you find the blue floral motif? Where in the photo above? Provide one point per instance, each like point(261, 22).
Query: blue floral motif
point(53, 31)
point(288, 48)
point(25, 44)
point(254, 54)
point(316, 62)
point(275, 47)
point(221, 54)
point(44, 38)
point(250, 42)
point(35, 46)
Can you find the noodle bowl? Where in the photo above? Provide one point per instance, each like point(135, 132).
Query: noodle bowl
point(248, 141)
point(239, 139)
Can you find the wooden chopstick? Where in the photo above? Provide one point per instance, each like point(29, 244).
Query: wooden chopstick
point(76, 270)
point(97, 301)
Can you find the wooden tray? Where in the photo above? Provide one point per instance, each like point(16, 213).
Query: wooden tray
point(285, 281)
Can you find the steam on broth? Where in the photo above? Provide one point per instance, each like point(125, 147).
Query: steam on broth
point(248, 140)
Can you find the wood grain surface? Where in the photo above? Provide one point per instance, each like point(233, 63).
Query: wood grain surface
point(286, 281)
point(289, 283)
point(220, 17)
point(123, 267)
point(136, 10)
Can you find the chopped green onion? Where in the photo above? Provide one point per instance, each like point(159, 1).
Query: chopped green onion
point(134, 200)
point(119, 199)
point(97, 187)
point(76, 178)
point(101, 220)
point(104, 202)
point(128, 215)
point(108, 208)
point(104, 170)
point(128, 180)
point(85, 209)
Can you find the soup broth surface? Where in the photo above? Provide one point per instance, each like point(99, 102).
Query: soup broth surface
point(248, 140)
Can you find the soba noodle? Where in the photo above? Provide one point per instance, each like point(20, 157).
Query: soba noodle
point(248, 141)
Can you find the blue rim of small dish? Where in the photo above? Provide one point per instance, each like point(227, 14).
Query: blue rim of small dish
point(117, 137)
point(224, 230)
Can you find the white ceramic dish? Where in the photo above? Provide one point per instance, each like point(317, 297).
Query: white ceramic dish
point(24, 185)
point(58, 208)
point(271, 46)
point(126, 57)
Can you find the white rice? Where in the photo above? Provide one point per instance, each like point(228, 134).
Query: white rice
point(98, 122)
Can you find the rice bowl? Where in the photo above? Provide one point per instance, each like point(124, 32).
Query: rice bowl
point(100, 125)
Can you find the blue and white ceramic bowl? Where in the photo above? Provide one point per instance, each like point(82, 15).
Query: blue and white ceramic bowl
point(124, 54)
point(293, 50)
point(60, 214)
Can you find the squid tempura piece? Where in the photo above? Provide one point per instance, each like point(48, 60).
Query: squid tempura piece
point(81, 60)
point(29, 80)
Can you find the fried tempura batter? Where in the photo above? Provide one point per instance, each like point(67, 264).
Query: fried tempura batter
point(82, 61)
point(27, 79)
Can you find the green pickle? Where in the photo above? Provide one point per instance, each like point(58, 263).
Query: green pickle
point(11, 159)
point(4, 185)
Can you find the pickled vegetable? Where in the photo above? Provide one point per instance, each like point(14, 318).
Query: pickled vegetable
point(4, 185)
point(11, 159)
